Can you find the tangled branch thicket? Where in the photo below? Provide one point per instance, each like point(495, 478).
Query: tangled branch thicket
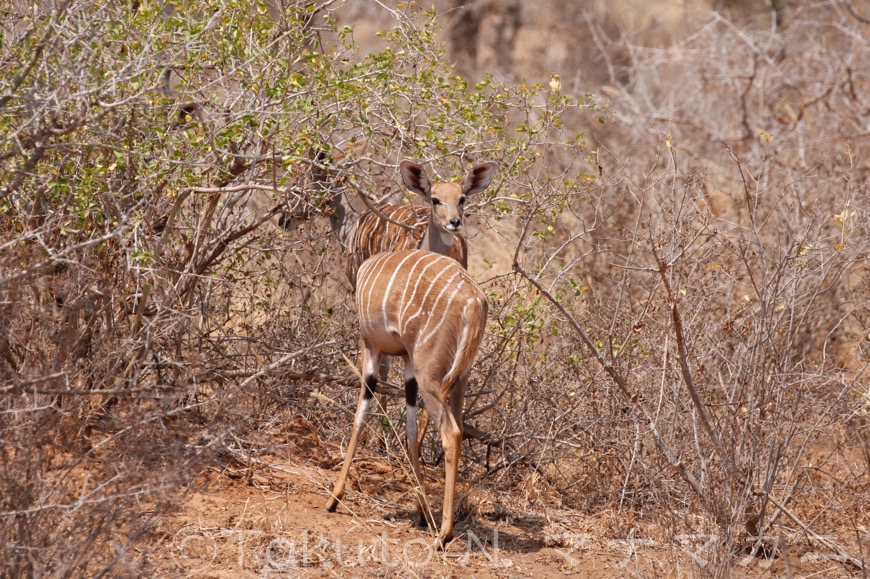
point(678, 314)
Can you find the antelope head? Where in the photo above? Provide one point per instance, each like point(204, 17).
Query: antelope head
point(447, 200)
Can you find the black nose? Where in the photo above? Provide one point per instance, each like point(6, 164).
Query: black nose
point(455, 222)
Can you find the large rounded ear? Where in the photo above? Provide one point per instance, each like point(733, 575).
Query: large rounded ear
point(414, 177)
point(479, 178)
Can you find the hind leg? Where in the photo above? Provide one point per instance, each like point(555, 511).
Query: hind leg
point(424, 514)
point(450, 427)
point(384, 368)
point(424, 424)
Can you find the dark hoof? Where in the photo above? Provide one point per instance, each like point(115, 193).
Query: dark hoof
point(421, 521)
point(441, 543)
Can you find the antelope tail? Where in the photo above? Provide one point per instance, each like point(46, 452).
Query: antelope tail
point(466, 349)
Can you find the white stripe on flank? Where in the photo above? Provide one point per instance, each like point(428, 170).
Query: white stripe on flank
point(408, 279)
point(407, 301)
point(389, 288)
point(378, 262)
point(425, 299)
point(366, 277)
point(444, 312)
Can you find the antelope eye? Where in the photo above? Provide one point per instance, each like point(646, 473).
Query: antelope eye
point(462, 200)
point(436, 201)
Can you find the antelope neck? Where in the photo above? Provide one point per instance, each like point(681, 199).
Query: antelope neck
point(437, 241)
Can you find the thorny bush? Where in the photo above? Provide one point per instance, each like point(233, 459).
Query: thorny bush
point(172, 290)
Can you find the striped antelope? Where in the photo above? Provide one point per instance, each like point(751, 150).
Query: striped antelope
point(426, 308)
point(435, 228)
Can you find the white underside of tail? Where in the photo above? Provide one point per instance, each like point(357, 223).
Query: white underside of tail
point(458, 355)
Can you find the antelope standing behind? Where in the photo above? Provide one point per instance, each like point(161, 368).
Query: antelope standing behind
point(408, 227)
point(426, 308)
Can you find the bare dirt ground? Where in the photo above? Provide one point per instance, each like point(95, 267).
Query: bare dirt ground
point(267, 519)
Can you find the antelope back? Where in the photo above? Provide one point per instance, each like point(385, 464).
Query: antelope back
point(374, 235)
point(425, 305)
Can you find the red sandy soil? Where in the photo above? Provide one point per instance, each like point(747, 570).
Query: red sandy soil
point(267, 519)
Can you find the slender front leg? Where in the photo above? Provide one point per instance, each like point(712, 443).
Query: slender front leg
point(371, 358)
